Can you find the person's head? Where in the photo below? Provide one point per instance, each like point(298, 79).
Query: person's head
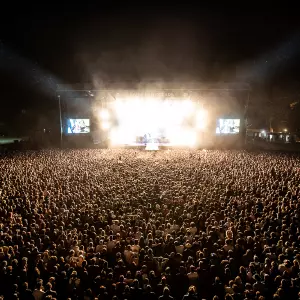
point(228, 297)
point(166, 291)
point(128, 274)
point(127, 289)
point(39, 285)
point(192, 289)
point(235, 288)
point(148, 288)
point(135, 283)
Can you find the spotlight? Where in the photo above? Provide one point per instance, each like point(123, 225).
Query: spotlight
point(187, 107)
point(104, 114)
point(105, 125)
point(201, 119)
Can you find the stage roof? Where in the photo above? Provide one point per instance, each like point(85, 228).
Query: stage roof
point(117, 86)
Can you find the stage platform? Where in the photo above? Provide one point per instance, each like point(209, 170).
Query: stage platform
point(159, 146)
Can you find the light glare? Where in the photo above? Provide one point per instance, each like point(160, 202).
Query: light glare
point(105, 125)
point(201, 119)
point(152, 116)
point(104, 114)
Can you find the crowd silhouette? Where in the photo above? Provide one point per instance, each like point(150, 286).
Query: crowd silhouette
point(126, 224)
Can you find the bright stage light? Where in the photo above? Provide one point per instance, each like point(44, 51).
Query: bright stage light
point(104, 114)
point(152, 147)
point(190, 138)
point(182, 137)
point(105, 125)
point(137, 118)
point(115, 138)
point(120, 136)
point(187, 107)
point(201, 119)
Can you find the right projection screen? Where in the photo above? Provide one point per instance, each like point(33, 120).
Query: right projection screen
point(228, 126)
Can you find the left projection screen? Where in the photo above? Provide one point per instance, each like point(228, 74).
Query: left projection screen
point(75, 126)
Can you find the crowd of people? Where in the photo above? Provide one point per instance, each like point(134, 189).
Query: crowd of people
point(126, 224)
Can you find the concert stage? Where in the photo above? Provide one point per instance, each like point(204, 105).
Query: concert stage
point(182, 116)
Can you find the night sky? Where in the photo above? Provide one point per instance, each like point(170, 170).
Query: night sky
point(59, 43)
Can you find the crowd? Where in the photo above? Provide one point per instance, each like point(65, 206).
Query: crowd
point(125, 224)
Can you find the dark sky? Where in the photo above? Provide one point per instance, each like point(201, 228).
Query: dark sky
point(83, 42)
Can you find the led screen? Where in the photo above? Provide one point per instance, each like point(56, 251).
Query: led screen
point(228, 126)
point(78, 126)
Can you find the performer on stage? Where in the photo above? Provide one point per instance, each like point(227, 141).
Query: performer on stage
point(145, 139)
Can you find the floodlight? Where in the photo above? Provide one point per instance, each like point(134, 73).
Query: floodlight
point(105, 125)
point(201, 119)
point(187, 107)
point(104, 114)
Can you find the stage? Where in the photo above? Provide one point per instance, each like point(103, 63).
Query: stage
point(162, 146)
point(187, 116)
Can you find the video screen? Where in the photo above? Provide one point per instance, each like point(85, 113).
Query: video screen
point(228, 126)
point(78, 126)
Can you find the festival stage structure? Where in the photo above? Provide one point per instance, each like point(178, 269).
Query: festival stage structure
point(154, 115)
